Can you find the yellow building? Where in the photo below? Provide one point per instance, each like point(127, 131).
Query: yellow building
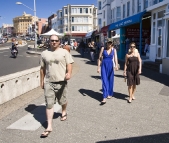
point(21, 23)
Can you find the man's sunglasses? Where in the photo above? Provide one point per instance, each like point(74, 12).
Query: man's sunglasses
point(54, 40)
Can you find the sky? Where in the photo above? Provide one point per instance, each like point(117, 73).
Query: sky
point(44, 8)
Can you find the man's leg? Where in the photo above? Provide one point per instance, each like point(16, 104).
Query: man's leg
point(49, 115)
point(64, 113)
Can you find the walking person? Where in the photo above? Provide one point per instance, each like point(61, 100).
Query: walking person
point(107, 59)
point(56, 68)
point(132, 69)
point(82, 48)
point(92, 50)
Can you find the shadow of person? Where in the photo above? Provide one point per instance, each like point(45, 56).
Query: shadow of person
point(120, 96)
point(96, 77)
point(39, 113)
point(95, 95)
point(116, 75)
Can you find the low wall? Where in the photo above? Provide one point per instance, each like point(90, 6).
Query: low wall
point(16, 84)
point(165, 66)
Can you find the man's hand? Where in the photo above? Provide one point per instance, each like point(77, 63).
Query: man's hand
point(67, 76)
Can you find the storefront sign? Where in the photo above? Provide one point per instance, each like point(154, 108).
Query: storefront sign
point(127, 21)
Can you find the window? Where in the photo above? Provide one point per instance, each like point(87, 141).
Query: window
point(72, 28)
point(139, 6)
point(133, 6)
point(124, 8)
point(161, 14)
point(90, 10)
point(145, 4)
point(128, 9)
point(104, 14)
point(154, 33)
point(86, 10)
point(72, 19)
point(66, 11)
point(154, 16)
point(99, 5)
point(60, 14)
point(168, 40)
point(118, 15)
point(100, 21)
point(80, 10)
point(154, 1)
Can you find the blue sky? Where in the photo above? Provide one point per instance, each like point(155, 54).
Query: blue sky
point(44, 8)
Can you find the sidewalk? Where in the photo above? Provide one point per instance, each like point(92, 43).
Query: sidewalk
point(145, 120)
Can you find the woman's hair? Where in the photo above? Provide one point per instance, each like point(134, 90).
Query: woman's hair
point(135, 50)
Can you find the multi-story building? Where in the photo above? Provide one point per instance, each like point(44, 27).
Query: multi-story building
point(7, 29)
point(76, 20)
point(55, 24)
point(141, 21)
point(21, 23)
point(50, 21)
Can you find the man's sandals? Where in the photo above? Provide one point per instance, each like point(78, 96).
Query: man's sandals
point(64, 117)
point(45, 134)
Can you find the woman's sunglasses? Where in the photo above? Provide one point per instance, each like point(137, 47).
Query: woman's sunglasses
point(132, 46)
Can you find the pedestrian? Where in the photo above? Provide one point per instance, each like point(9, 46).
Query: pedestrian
point(147, 43)
point(56, 68)
point(132, 69)
point(82, 48)
point(66, 46)
point(75, 45)
point(107, 59)
point(92, 50)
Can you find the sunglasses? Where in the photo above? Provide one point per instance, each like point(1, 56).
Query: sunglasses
point(132, 46)
point(54, 40)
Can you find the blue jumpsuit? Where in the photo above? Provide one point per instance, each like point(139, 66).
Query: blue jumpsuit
point(107, 73)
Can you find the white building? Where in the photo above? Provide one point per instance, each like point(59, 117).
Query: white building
point(140, 21)
point(55, 23)
point(76, 21)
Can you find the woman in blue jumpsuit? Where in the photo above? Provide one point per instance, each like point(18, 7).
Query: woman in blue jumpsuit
point(108, 57)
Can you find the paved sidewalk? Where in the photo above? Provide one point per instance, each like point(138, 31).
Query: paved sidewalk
point(145, 120)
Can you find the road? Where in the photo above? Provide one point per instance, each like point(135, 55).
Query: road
point(10, 65)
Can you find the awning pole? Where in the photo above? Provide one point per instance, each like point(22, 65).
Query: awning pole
point(140, 45)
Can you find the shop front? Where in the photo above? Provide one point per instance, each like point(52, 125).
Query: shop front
point(136, 28)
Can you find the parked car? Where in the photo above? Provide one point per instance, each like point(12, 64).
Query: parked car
point(28, 39)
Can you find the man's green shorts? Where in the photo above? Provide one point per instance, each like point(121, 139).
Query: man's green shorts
point(55, 92)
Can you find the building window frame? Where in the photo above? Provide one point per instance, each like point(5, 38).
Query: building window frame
point(99, 5)
point(133, 6)
point(139, 6)
point(128, 8)
point(118, 13)
point(124, 10)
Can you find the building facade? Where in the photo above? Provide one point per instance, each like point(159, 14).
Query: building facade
point(7, 29)
point(76, 20)
point(141, 21)
point(22, 23)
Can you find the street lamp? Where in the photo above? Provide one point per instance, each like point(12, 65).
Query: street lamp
point(19, 3)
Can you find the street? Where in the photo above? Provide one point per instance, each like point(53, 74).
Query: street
point(23, 61)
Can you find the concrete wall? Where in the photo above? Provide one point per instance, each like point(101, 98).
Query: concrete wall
point(165, 67)
point(16, 84)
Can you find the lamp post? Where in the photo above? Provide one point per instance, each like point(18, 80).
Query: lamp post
point(19, 3)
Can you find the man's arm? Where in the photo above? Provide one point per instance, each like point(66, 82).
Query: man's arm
point(42, 76)
point(69, 71)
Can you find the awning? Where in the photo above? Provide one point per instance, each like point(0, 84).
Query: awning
point(104, 30)
point(127, 21)
point(89, 34)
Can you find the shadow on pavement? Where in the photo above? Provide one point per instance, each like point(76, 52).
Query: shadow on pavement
point(158, 138)
point(120, 96)
point(95, 95)
point(39, 113)
point(96, 77)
